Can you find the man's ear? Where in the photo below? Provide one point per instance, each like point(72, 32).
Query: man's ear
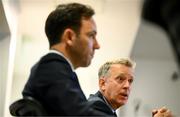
point(102, 83)
point(69, 36)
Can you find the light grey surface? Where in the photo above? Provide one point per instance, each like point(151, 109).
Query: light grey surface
point(4, 28)
point(156, 64)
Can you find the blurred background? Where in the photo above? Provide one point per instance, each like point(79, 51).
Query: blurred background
point(122, 32)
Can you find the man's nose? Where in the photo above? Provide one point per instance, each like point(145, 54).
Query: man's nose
point(127, 84)
point(96, 44)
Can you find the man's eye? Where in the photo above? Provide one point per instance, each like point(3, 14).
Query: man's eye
point(131, 80)
point(120, 78)
point(91, 36)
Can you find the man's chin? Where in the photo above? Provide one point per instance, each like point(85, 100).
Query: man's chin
point(86, 64)
point(123, 102)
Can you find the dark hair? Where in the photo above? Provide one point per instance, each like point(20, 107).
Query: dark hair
point(66, 16)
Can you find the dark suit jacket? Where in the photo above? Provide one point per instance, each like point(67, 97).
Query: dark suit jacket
point(98, 103)
point(55, 85)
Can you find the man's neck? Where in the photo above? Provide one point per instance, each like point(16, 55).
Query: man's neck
point(61, 48)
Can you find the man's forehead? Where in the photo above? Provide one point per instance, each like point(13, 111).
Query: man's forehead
point(126, 75)
point(88, 22)
point(122, 69)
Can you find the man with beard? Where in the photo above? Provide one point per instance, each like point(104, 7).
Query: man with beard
point(71, 32)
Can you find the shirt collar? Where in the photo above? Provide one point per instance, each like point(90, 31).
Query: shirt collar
point(61, 54)
point(113, 110)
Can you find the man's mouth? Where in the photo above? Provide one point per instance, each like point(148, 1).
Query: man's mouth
point(125, 95)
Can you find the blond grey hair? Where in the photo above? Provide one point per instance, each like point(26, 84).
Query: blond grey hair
point(103, 71)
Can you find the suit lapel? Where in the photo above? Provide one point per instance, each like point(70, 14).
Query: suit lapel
point(101, 96)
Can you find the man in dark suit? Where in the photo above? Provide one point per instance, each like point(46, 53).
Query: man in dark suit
point(71, 32)
point(115, 79)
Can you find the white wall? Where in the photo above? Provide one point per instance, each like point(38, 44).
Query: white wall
point(117, 23)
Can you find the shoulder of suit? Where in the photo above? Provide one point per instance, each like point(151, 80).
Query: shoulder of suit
point(53, 56)
point(98, 103)
point(96, 99)
point(53, 61)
